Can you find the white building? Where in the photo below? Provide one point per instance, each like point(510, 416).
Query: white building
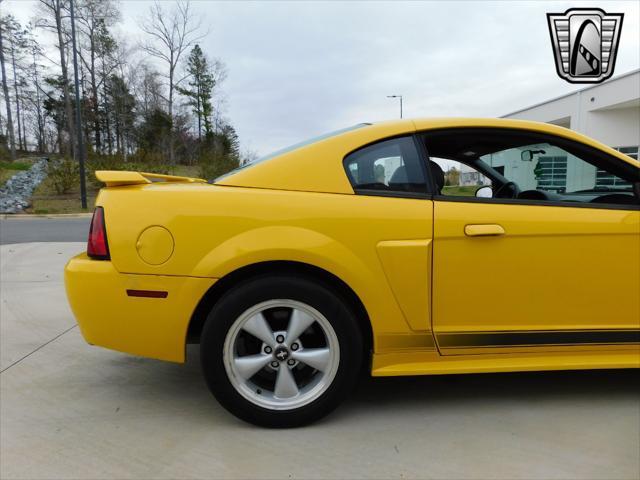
point(608, 112)
point(468, 177)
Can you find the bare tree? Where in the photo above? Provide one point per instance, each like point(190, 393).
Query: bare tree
point(248, 155)
point(107, 49)
point(1, 122)
point(53, 15)
point(94, 19)
point(7, 99)
point(14, 36)
point(150, 90)
point(122, 99)
point(171, 33)
point(33, 74)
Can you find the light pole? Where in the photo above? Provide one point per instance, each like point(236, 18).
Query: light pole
point(79, 144)
point(400, 97)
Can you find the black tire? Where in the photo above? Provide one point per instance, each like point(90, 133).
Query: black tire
point(263, 288)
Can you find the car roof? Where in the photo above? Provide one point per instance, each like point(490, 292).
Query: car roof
point(318, 166)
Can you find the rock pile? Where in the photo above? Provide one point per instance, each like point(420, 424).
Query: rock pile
point(16, 193)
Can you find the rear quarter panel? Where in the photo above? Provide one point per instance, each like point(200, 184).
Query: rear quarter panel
point(219, 229)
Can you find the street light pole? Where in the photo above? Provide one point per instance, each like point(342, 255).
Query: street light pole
point(400, 97)
point(80, 141)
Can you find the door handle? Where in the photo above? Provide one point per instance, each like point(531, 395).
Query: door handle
point(483, 230)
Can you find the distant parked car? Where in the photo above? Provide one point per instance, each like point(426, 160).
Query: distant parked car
point(348, 251)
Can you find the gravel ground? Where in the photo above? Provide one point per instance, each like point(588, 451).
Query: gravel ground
point(15, 194)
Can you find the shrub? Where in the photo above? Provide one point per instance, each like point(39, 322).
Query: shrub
point(148, 158)
point(64, 175)
point(211, 165)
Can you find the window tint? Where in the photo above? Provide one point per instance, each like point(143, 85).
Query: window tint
point(390, 166)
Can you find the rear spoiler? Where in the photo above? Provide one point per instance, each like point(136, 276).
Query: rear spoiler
point(117, 178)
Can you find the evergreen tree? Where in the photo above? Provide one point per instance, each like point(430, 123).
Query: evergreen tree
point(201, 83)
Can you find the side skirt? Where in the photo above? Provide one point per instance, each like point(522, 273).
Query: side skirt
point(430, 363)
point(513, 339)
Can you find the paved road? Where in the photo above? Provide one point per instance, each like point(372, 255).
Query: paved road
point(24, 230)
point(70, 410)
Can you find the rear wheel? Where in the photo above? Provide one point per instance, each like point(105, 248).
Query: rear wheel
point(280, 351)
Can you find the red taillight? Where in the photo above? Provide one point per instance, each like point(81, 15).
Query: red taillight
point(97, 246)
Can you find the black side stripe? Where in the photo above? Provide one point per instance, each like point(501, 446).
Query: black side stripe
point(533, 339)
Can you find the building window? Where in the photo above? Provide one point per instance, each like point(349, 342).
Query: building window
point(606, 179)
point(631, 151)
point(551, 173)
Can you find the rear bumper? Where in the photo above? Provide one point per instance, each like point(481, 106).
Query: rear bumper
point(108, 317)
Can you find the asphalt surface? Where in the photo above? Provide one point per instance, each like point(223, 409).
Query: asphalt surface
point(42, 229)
point(70, 410)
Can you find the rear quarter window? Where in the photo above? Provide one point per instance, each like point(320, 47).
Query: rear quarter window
point(392, 165)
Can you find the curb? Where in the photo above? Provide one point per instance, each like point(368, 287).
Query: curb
point(5, 216)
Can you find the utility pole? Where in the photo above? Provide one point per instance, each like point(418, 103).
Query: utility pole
point(400, 97)
point(79, 137)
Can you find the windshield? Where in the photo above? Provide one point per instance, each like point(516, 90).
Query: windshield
point(292, 148)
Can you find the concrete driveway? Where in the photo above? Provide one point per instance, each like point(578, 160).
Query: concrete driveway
point(69, 410)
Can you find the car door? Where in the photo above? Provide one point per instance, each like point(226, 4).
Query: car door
point(401, 227)
point(552, 264)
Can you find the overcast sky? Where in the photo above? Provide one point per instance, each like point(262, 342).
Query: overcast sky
point(299, 69)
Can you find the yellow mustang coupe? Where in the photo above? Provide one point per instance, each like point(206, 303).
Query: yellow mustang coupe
point(406, 247)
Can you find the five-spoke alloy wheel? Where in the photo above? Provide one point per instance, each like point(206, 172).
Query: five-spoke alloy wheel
point(280, 351)
point(274, 369)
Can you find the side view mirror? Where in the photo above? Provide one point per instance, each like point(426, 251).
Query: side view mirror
point(484, 192)
point(527, 155)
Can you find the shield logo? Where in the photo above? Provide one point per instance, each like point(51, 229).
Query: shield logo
point(585, 43)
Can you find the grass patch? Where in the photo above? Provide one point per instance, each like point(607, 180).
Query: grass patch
point(6, 175)
point(68, 203)
point(15, 165)
point(460, 191)
point(8, 169)
point(45, 199)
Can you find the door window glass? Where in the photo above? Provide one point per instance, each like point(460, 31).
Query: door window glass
point(552, 170)
point(521, 165)
point(460, 180)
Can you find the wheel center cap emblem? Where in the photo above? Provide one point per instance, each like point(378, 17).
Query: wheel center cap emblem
point(281, 353)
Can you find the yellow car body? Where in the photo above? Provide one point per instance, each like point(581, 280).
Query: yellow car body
point(435, 292)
